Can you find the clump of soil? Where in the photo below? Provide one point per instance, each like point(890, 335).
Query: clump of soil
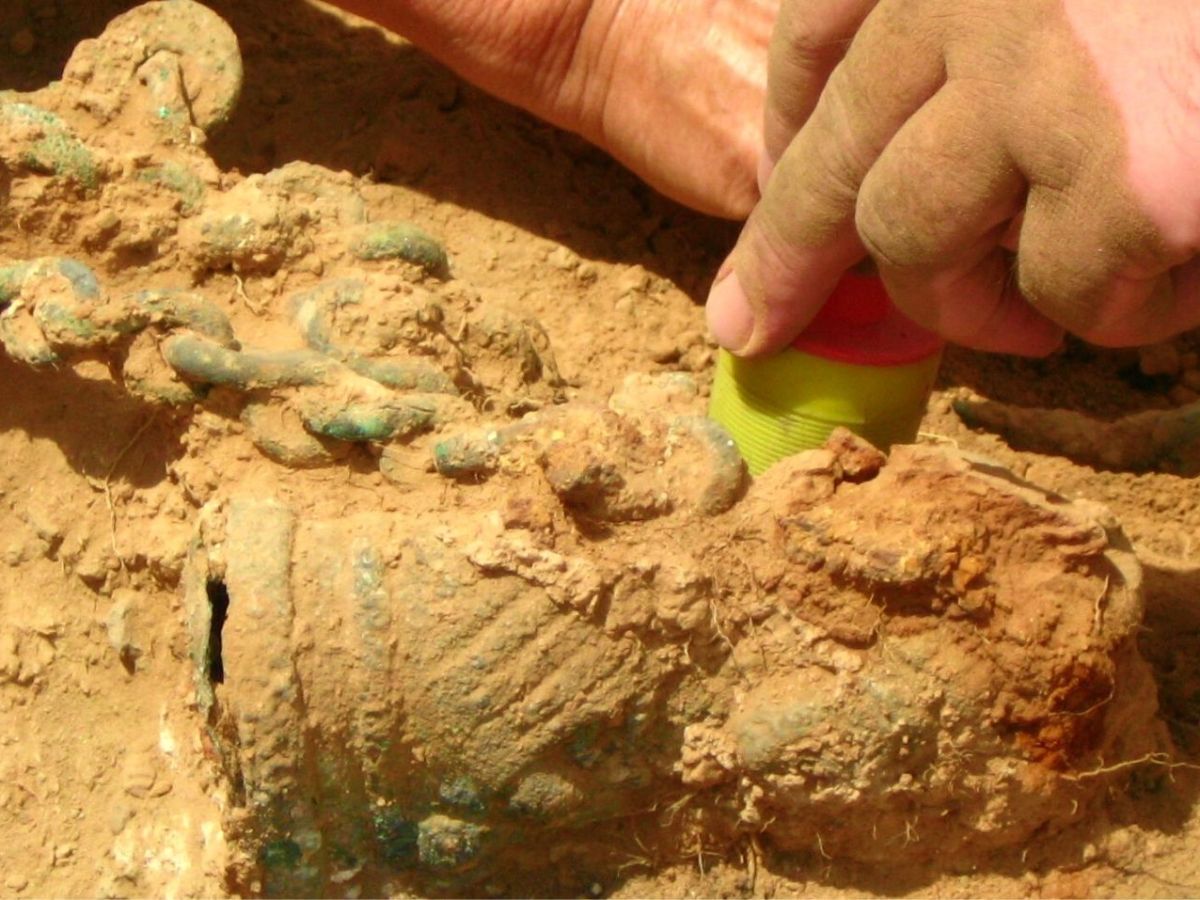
point(368, 537)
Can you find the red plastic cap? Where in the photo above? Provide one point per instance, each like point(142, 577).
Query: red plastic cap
point(859, 325)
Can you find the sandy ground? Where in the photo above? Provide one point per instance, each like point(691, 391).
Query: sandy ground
point(112, 781)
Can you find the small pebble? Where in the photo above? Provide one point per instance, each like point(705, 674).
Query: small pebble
point(697, 358)
point(663, 349)
point(312, 264)
point(139, 775)
point(634, 280)
point(562, 258)
point(118, 817)
point(15, 882)
point(1121, 844)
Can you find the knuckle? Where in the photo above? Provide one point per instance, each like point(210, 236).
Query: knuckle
point(885, 238)
point(840, 150)
point(896, 233)
point(1136, 312)
point(807, 48)
point(1089, 265)
point(1055, 288)
point(812, 34)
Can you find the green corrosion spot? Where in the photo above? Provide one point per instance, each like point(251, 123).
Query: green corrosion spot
point(403, 376)
point(230, 234)
point(58, 319)
point(56, 151)
point(176, 178)
point(397, 837)
point(464, 455)
point(64, 156)
point(83, 280)
point(400, 240)
point(371, 422)
point(583, 748)
point(27, 112)
point(11, 279)
point(184, 309)
point(281, 854)
point(359, 427)
point(463, 792)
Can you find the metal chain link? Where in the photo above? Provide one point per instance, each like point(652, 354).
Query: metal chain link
point(54, 312)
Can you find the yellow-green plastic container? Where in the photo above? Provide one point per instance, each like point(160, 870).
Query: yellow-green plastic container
point(860, 364)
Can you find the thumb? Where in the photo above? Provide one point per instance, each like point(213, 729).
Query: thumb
point(801, 236)
point(766, 291)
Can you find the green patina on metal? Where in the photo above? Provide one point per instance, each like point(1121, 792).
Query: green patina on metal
point(400, 240)
point(396, 836)
point(11, 279)
point(53, 149)
point(360, 423)
point(281, 854)
point(186, 184)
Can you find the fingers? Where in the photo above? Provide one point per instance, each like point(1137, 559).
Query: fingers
point(809, 40)
point(934, 212)
point(946, 181)
point(1100, 269)
point(1125, 310)
point(801, 236)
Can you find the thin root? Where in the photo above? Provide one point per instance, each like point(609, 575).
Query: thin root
point(1154, 759)
point(240, 290)
point(105, 485)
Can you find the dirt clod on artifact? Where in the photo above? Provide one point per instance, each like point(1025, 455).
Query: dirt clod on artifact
point(607, 466)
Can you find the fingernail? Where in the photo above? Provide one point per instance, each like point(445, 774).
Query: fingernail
point(730, 318)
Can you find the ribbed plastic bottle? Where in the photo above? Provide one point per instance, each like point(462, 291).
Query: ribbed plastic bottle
point(860, 363)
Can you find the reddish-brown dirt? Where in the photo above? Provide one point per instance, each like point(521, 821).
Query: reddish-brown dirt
point(476, 603)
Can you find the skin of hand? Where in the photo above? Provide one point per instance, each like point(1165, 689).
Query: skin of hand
point(1014, 168)
point(674, 89)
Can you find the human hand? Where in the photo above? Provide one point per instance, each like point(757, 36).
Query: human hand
point(956, 137)
point(671, 88)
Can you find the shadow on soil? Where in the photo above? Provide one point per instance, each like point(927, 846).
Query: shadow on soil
point(1097, 381)
point(387, 110)
point(101, 430)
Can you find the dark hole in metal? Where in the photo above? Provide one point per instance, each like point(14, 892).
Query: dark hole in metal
point(218, 599)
